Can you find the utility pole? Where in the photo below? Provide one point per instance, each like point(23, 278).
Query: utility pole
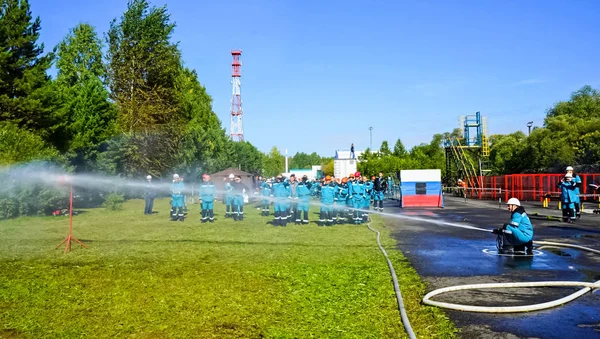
point(529, 124)
point(371, 138)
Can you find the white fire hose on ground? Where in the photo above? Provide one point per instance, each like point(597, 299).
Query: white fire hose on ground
point(587, 287)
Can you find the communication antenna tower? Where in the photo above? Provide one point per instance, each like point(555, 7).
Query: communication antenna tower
point(236, 131)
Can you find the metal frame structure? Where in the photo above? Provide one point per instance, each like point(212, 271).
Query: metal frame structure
point(236, 131)
point(467, 156)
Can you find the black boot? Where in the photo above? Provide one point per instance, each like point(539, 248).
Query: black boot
point(203, 219)
point(529, 247)
point(241, 217)
point(227, 211)
point(277, 220)
point(305, 220)
point(507, 249)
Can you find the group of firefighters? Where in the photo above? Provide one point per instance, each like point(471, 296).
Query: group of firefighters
point(339, 199)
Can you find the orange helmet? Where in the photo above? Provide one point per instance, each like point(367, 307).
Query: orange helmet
point(344, 180)
point(372, 177)
point(328, 177)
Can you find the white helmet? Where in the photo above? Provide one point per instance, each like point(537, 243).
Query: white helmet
point(149, 177)
point(231, 176)
point(175, 176)
point(568, 175)
point(513, 201)
point(569, 168)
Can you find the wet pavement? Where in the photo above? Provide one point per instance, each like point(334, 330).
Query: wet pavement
point(449, 256)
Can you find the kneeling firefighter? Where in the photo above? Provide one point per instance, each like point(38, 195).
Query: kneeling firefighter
point(518, 234)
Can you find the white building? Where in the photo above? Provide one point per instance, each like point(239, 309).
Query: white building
point(344, 164)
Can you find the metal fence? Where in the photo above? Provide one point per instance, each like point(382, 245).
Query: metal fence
point(528, 187)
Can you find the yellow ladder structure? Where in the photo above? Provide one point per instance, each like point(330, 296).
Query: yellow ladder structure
point(485, 143)
point(465, 161)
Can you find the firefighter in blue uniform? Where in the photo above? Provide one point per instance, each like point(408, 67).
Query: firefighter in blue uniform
point(356, 193)
point(577, 201)
point(206, 194)
point(567, 197)
point(368, 197)
point(177, 190)
point(239, 189)
point(518, 234)
point(266, 190)
point(149, 196)
point(342, 201)
point(229, 196)
point(293, 209)
point(379, 188)
point(281, 195)
point(327, 198)
point(304, 193)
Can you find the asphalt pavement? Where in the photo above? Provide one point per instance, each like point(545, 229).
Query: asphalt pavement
point(446, 255)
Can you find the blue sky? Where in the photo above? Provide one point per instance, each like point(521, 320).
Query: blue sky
point(317, 74)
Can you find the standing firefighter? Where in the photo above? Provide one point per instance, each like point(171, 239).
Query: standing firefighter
point(239, 189)
point(229, 196)
point(567, 198)
point(342, 201)
point(281, 195)
point(304, 194)
point(266, 191)
point(293, 211)
point(327, 198)
point(149, 195)
point(518, 234)
point(206, 194)
point(177, 189)
point(577, 183)
point(356, 194)
point(379, 189)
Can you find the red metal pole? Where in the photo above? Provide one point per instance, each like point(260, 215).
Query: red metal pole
point(71, 211)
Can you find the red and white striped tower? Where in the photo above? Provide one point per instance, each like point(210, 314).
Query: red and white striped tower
point(236, 130)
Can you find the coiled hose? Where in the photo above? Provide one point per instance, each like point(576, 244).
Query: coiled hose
point(513, 309)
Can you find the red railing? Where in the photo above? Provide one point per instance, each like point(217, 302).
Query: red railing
point(529, 187)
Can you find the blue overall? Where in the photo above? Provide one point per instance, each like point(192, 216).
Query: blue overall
point(327, 199)
point(177, 189)
point(207, 195)
point(521, 227)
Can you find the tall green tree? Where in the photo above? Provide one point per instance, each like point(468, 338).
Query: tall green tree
point(384, 150)
point(302, 160)
point(399, 149)
point(144, 67)
point(273, 163)
point(25, 94)
point(88, 118)
point(204, 146)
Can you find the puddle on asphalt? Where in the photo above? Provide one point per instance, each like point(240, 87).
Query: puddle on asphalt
point(558, 252)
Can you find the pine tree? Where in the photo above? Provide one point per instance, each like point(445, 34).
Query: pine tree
point(142, 74)
point(87, 116)
point(25, 94)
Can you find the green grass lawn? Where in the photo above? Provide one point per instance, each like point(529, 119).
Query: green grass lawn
point(147, 277)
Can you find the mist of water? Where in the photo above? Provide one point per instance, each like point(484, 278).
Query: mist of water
point(41, 173)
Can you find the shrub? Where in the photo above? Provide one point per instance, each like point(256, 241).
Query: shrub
point(114, 201)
